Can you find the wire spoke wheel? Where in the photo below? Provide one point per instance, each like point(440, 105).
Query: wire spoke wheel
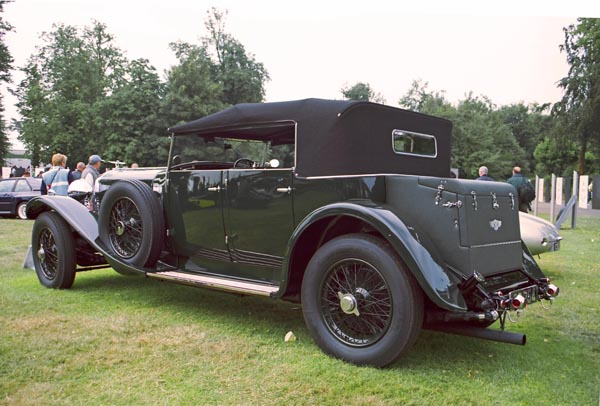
point(356, 302)
point(47, 254)
point(53, 251)
point(125, 228)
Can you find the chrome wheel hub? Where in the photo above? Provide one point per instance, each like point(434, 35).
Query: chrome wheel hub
point(41, 254)
point(120, 228)
point(348, 303)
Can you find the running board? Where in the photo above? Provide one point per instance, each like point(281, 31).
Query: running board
point(214, 282)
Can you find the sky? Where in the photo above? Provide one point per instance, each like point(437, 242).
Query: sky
point(314, 48)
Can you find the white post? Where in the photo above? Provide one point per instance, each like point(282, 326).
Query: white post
point(559, 191)
point(575, 193)
point(552, 197)
point(537, 189)
point(584, 181)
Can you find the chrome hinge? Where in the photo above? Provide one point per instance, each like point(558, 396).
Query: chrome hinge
point(170, 232)
point(474, 196)
point(438, 196)
point(214, 189)
point(512, 201)
point(457, 204)
point(495, 204)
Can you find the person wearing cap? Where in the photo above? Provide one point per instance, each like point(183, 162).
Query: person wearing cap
point(56, 180)
point(92, 170)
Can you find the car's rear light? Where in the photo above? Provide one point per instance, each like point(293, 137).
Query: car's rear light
point(518, 302)
point(552, 290)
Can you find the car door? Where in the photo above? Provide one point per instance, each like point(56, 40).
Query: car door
point(6, 196)
point(195, 219)
point(258, 220)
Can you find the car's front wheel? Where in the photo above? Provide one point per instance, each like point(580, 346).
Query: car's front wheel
point(53, 251)
point(360, 303)
point(131, 223)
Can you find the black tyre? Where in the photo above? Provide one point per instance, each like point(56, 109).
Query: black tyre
point(131, 223)
point(21, 212)
point(360, 303)
point(53, 250)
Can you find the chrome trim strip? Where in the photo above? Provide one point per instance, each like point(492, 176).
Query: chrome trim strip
point(217, 283)
point(496, 244)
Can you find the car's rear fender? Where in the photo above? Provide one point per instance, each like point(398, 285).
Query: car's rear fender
point(431, 276)
point(82, 221)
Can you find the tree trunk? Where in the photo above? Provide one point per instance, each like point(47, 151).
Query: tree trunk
point(582, 152)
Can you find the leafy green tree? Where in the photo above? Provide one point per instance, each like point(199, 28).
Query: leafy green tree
point(212, 75)
point(191, 89)
point(242, 78)
point(556, 155)
point(6, 61)
point(479, 136)
point(580, 105)
point(65, 84)
point(130, 117)
point(529, 125)
point(362, 91)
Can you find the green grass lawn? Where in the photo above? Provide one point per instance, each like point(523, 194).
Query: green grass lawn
point(113, 339)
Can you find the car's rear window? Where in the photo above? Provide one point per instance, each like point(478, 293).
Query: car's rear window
point(411, 143)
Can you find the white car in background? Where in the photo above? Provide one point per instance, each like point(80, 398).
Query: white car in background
point(539, 235)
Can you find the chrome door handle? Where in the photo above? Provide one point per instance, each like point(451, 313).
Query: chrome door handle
point(214, 189)
point(287, 190)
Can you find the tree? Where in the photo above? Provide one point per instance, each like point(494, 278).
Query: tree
point(191, 89)
point(6, 61)
point(362, 91)
point(65, 84)
point(580, 105)
point(242, 78)
point(479, 136)
point(529, 125)
point(211, 76)
point(131, 119)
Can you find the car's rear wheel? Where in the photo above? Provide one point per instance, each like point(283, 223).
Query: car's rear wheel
point(359, 301)
point(53, 251)
point(21, 212)
point(131, 223)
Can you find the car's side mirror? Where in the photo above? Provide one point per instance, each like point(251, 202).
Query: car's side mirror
point(176, 160)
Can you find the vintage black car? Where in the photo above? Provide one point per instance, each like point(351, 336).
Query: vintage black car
point(15, 193)
point(344, 206)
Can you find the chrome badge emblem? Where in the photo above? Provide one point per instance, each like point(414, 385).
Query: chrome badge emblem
point(495, 224)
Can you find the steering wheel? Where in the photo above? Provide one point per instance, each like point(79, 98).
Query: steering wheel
point(245, 162)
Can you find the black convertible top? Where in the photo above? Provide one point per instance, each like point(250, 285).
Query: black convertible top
point(333, 137)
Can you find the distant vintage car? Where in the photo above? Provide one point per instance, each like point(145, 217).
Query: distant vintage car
point(15, 193)
point(344, 206)
point(539, 235)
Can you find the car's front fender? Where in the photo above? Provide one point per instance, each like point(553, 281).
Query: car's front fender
point(430, 274)
point(82, 221)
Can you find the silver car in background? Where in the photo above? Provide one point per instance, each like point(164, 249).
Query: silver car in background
point(538, 234)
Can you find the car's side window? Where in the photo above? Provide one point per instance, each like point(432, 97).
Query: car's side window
point(411, 143)
point(22, 186)
point(6, 185)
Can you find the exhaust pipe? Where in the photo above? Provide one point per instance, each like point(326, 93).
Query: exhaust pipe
point(484, 333)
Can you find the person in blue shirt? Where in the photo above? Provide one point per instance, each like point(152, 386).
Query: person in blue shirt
point(56, 180)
